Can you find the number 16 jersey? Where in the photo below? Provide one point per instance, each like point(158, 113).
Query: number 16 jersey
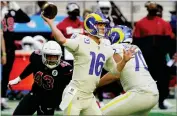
point(89, 59)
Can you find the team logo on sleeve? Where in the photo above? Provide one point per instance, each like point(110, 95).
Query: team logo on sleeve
point(54, 72)
point(73, 36)
point(86, 40)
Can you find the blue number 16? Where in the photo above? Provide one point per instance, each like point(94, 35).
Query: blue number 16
point(97, 63)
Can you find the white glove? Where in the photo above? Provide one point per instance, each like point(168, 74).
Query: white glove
point(14, 81)
point(14, 6)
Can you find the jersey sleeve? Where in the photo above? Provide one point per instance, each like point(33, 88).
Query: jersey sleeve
point(110, 64)
point(67, 68)
point(33, 56)
point(136, 30)
point(118, 49)
point(168, 30)
point(67, 71)
point(72, 44)
point(27, 71)
point(29, 68)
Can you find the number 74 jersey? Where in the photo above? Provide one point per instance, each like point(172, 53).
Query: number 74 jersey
point(89, 60)
point(135, 73)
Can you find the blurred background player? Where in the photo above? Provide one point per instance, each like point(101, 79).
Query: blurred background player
point(157, 38)
point(3, 49)
point(71, 24)
point(30, 43)
point(3, 62)
point(85, 13)
point(86, 74)
point(49, 72)
point(135, 79)
point(40, 4)
point(12, 14)
point(113, 13)
point(27, 43)
point(172, 50)
point(160, 14)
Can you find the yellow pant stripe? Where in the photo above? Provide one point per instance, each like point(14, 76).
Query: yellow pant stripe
point(116, 101)
point(69, 108)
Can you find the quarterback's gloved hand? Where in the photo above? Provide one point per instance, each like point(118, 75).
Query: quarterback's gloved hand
point(14, 6)
point(14, 81)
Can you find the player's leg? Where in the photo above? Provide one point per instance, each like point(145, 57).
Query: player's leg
point(92, 107)
point(6, 69)
point(47, 105)
point(73, 108)
point(45, 110)
point(118, 105)
point(72, 103)
point(130, 103)
point(27, 106)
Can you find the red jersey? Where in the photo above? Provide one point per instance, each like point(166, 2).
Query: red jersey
point(68, 27)
point(148, 27)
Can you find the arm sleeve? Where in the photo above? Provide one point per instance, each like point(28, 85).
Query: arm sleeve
point(111, 66)
point(29, 69)
point(136, 31)
point(168, 30)
point(21, 17)
point(67, 73)
point(72, 44)
point(68, 69)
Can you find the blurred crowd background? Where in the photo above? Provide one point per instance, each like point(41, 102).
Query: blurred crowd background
point(24, 31)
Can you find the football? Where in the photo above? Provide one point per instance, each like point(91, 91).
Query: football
point(49, 10)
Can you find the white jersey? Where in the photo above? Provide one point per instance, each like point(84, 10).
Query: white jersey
point(89, 59)
point(135, 73)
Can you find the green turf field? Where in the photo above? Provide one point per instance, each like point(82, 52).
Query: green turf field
point(154, 112)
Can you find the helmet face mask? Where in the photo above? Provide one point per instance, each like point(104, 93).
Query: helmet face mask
point(105, 7)
point(73, 11)
point(51, 54)
point(51, 61)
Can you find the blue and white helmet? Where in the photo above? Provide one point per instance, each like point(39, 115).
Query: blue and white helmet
point(92, 20)
point(120, 34)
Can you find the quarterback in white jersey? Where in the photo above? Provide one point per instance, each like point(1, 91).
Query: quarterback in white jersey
point(141, 90)
point(89, 59)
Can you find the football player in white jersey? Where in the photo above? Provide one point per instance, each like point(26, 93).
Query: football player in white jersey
point(141, 90)
point(89, 58)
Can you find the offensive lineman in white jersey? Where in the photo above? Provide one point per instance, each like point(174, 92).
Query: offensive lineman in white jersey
point(89, 58)
point(141, 90)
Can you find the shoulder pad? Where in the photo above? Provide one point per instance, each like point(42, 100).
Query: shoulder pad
point(105, 42)
point(118, 48)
